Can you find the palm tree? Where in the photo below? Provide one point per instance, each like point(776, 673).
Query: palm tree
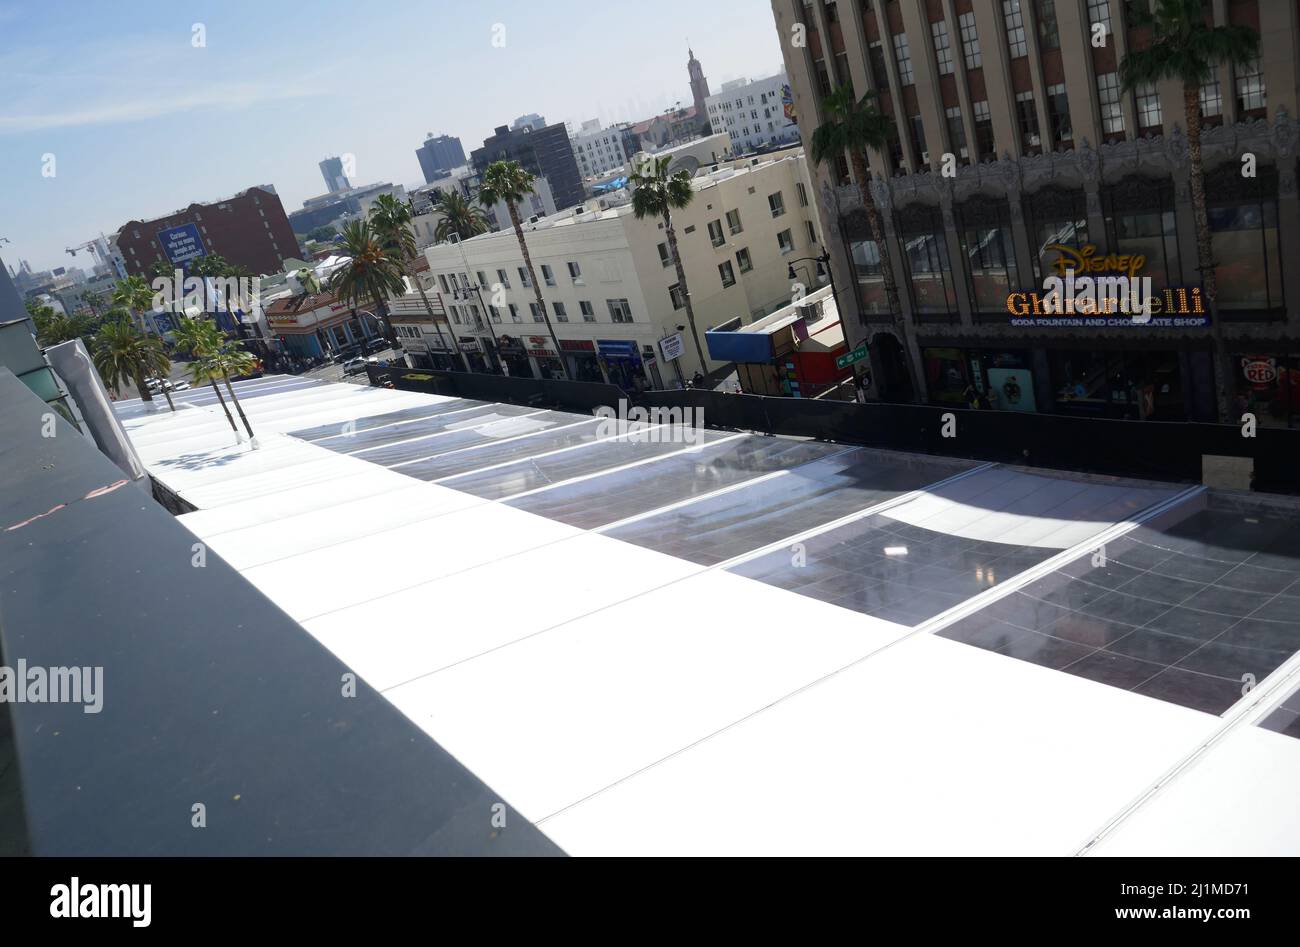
point(1186, 49)
point(123, 355)
point(196, 337)
point(856, 126)
point(55, 327)
point(222, 362)
point(459, 217)
point(134, 293)
point(93, 301)
point(371, 273)
point(507, 181)
point(392, 222)
point(657, 194)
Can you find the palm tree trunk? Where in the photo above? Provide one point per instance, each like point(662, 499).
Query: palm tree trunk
point(1205, 249)
point(168, 395)
point(238, 406)
point(537, 287)
point(229, 416)
point(686, 293)
point(892, 300)
point(141, 387)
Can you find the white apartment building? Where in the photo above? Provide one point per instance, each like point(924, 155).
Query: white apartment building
point(598, 150)
point(753, 114)
point(610, 285)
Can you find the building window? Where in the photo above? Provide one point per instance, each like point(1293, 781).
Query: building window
point(715, 233)
point(1139, 214)
point(665, 256)
point(503, 279)
point(677, 296)
point(918, 140)
point(548, 275)
point(1055, 217)
point(812, 232)
point(1027, 115)
point(514, 313)
point(970, 41)
point(1251, 97)
point(984, 229)
point(575, 274)
point(727, 273)
point(455, 314)
point(956, 131)
point(742, 258)
point(1099, 12)
point(442, 281)
point(876, 56)
point(1058, 114)
point(903, 56)
point(803, 194)
point(561, 314)
point(1015, 23)
point(942, 47)
point(785, 241)
point(619, 310)
point(536, 310)
point(777, 204)
point(524, 280)
point(1049, 35)
point(1243, 215)
point(588, 313)
point(983, 130)
point(1147, 100)
point(925, 255)
point(482, 279)
point(1212, 98)
point(866, 267)
point(733, 221)
point(1108, 95)
point(495, 312)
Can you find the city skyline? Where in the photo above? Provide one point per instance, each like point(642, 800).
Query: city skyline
point(136, 131)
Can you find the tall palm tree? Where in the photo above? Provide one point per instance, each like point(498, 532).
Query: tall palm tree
point(391, 219)
point(225, 360)
point(1187, 49)
point(507, 181)
point(196, 337)
point(855, 126)
point(55, 327)
point(371, 274)
point(657, 194)
point(124, 355)
point(459, 217)
point(136, 295)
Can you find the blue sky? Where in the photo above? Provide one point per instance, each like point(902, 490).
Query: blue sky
point(140, 121)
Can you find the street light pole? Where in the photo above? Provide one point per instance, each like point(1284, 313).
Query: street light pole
point(822, 261)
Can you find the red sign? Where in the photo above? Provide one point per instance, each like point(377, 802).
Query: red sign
point(577, 345)
point(1259, 371)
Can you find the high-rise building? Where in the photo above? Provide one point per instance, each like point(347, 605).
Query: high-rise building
point(531, 120)
point(699, 84)
point(1017, 149)
point(545, 152)
point(249, 230)
point(439, 155)
point(600, 150)
point(332, 170)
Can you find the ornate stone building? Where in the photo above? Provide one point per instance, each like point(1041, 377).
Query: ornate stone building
point(971, 235)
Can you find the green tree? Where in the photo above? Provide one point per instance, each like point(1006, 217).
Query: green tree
point(459, 217)
point(508, 181)
point(854, 126)
point(124, 355)
point(325, 232)
point(391, 220)
point(371, 272)
point(222, 362)
point(136, 296)
point(657, 194)
point(1187, 49)
point(196, 337)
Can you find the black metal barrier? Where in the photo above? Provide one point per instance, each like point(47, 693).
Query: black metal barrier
point(1163, 450)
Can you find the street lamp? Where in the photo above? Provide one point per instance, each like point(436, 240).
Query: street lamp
point(823, 269)
point(478, 293)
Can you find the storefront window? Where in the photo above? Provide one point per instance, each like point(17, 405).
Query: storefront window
point(1140, 221)
point(1135, 385)
point(984, 225)
point(870, 276)
point(925, 254)
point(1243, 226)
point(1056, 217)
point(1268, 386)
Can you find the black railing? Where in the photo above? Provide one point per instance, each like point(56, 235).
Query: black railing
point(1162, 450)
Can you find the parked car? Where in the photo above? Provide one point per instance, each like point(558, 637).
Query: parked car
point(375, 345)
point(354, 366)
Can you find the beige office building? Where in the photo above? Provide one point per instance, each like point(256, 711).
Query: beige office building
point(1013, 135)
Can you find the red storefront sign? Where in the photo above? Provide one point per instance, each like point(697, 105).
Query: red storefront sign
point(577, 345)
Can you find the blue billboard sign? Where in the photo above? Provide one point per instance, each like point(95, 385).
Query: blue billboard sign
point(181, 244)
